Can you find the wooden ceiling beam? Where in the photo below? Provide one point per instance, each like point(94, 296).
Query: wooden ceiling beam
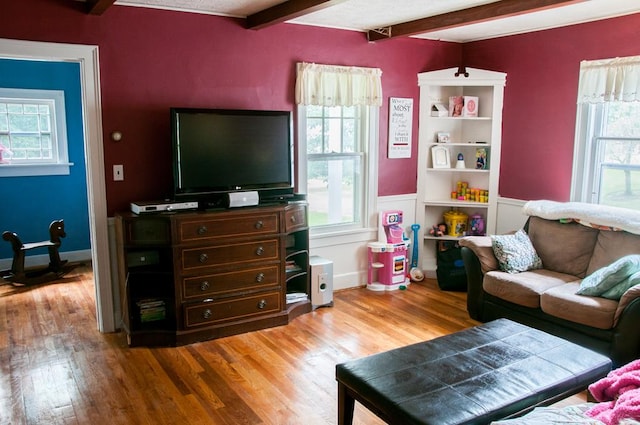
point(98, 7)
point(473, 15)
point(285, 11)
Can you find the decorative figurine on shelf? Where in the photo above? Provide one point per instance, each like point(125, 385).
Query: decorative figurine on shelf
point(481, 159)
point(460, 162)
point(438, 230)
point(476, 224)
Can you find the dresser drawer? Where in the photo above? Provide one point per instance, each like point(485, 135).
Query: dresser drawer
point(295, 218)
point(225, 227)
point(235, 281)
point(240, 253)
point(213, 312)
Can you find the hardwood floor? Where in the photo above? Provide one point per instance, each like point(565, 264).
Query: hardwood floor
point(58, 369)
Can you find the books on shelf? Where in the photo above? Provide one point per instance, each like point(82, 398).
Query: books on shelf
point(291, 266)
point(151, 310)
point(295, 297)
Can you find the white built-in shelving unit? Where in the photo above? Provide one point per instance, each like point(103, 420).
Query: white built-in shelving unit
point(466, 135)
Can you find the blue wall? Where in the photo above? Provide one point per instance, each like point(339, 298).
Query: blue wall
point(29, 204)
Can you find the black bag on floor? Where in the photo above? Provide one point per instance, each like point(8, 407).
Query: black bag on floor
point(450, 270)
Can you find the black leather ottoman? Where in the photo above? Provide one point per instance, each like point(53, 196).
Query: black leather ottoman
point(488, 372)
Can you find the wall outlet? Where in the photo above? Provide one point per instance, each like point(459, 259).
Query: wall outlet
point(118, 173)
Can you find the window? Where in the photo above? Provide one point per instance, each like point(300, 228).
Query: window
point(32, 132)
point(611, 174)
point(338, 109)
point(607, 149)
point(337, 146)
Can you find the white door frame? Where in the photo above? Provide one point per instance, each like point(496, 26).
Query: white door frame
point(87, 58)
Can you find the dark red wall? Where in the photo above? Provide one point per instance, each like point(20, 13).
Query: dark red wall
point(540, 98)
point(151, 60)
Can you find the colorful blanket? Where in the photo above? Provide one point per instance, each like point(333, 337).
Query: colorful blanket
point(618, 394)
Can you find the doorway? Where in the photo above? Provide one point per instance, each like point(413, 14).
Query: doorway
point(87, 58)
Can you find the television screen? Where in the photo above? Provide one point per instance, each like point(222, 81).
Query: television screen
point(220, 151)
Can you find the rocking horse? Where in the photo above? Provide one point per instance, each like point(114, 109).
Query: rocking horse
point(17, 272)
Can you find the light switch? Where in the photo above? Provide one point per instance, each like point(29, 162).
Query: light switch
point(118, 173)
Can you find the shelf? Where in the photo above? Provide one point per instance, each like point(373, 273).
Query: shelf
point(458, 170)
point(463, 144)
point(443, 238)
point(293, 252)
point(454, 203)
point(466, 136)
point(295, 273)
point(460, 118)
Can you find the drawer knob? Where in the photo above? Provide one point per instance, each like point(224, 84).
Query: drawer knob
point(293, 219)
point(259, 224)
point(207, 314)
point(262, 304)
point(260, 277)
point(204, 285)
point(260, 251)
point(203, 258)
point(202, 230)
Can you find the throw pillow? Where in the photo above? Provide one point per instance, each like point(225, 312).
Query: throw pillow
point(606, 278)
point(618, 290)
point(515, 253)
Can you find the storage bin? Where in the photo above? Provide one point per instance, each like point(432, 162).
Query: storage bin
point(456, 222)
point(450, 270)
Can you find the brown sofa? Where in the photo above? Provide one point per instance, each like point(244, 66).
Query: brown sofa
point(546, 298)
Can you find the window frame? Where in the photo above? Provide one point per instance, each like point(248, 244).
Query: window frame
point(370, 177)
point(588, 152)
point(59, 164)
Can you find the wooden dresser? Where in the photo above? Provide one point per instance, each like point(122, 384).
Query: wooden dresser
point(192, 276)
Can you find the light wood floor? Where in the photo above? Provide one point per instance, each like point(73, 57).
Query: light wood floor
point(58, 369)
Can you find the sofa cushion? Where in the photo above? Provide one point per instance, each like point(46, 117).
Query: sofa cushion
point(563, 247)
point(610, 246)
point(563, 302)
point(613, 280)
point(515, 253)
point(523, 288)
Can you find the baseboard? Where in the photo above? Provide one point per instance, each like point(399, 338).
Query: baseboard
point(43, 259)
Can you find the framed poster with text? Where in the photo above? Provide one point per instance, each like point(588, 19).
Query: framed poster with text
point(400, 127)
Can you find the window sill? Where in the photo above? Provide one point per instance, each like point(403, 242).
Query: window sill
point(320, 240)
point(24, 170)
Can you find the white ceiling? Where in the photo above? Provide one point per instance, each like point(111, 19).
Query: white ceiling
point(364, 15)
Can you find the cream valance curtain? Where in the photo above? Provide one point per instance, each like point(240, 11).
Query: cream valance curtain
point(610, 80)
point(331, 85)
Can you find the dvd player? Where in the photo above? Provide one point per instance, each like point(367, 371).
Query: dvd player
point(162, 206)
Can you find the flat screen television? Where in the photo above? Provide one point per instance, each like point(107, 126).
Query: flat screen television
point(218, 151)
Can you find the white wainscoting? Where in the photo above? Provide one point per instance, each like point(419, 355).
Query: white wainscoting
point(349, 253)
point(509, 216)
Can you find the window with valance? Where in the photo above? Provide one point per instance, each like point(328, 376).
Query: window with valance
point(607, 147)
point(338, 138)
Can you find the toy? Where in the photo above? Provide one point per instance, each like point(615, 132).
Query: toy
point(476, 225)
point(415, 273)
point(438, 230)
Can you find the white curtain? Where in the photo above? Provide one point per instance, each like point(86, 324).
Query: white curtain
point(610, 80)
point(330, 85)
